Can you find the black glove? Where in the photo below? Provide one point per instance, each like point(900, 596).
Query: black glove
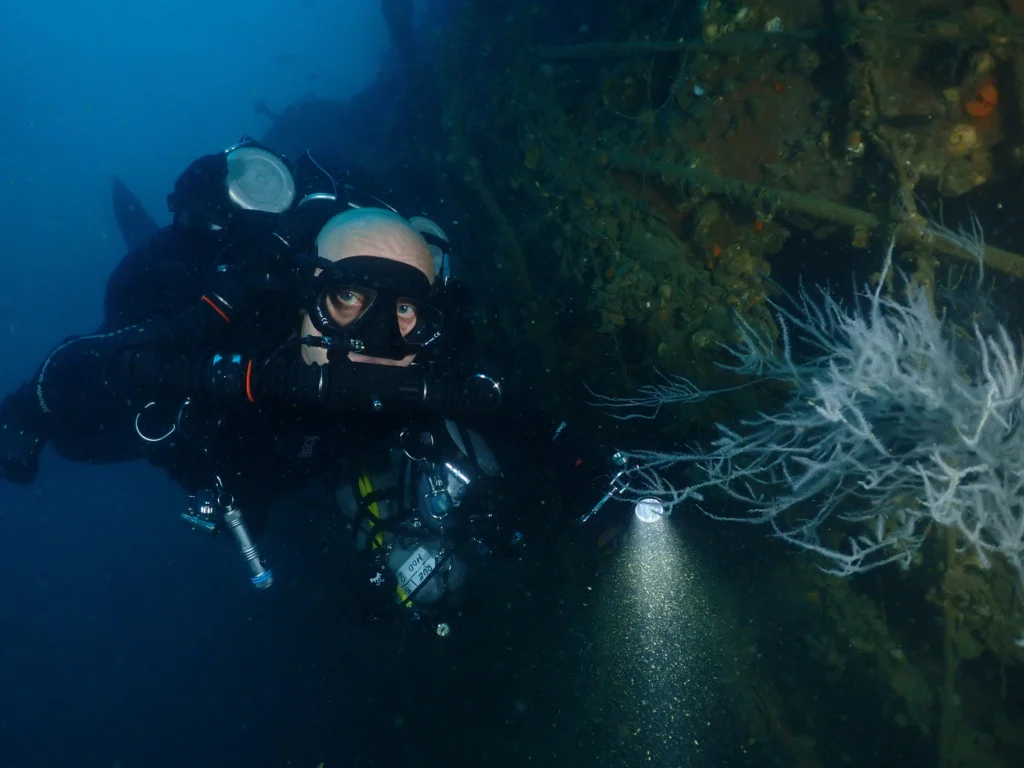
point(19, 455)
point(22, 435)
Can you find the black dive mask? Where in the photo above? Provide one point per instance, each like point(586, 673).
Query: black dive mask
point(374, 306)
point(245, 184)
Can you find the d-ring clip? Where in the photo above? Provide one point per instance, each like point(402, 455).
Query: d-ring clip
point(138, 429)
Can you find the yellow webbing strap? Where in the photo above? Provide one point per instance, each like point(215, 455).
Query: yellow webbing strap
point(403, 598)
point(365, 489)
point(377, 539)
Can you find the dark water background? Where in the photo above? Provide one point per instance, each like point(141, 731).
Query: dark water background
point(127, 640)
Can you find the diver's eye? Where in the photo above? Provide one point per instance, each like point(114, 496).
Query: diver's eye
point(347, 298)
point(406, 316)
point(345, 305)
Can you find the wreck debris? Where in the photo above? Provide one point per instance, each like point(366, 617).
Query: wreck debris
point(779, 200)
point(650, 173)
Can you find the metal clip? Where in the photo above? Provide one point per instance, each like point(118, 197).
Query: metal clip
point(147, 438)
point(619, 484)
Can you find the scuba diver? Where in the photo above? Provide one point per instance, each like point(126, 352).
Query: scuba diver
point(246, 204)
point(221, 204)
point(238, 402)
point(225, 205)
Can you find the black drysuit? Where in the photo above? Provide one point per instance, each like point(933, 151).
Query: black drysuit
point(117, 396)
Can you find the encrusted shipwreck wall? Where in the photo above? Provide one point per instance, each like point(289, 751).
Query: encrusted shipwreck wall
point(636, 175)
point(651, 176)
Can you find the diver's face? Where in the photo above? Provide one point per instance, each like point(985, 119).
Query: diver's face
point(347, 305)
point(366, 234)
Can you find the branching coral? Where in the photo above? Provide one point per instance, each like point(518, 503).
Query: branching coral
point(888, 431)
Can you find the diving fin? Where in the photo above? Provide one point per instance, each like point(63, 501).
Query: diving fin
point(137, 227)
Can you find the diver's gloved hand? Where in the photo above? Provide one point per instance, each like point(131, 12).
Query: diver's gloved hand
point(22, 436)
point(19, 454)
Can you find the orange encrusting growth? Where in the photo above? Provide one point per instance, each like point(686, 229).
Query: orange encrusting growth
point(985, 103)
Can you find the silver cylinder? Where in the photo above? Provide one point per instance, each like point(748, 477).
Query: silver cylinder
point(262, 577)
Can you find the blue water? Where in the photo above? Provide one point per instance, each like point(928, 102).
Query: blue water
point(127, 637)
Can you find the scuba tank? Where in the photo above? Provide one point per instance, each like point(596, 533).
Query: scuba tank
point(407, 514)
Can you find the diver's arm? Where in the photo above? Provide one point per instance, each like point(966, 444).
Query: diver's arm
point(95, 372)
point(338, 387)
point(78, 399)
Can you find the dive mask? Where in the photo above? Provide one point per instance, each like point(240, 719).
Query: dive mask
point(374, 306)
point(244, 182)
point(258, 179)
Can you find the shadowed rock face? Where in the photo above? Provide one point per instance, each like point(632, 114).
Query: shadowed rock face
point(391, 129)
point(368, 132)
point(398, 15)
point(326, 126)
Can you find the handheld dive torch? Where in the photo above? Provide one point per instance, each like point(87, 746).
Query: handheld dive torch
point(202, 514)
